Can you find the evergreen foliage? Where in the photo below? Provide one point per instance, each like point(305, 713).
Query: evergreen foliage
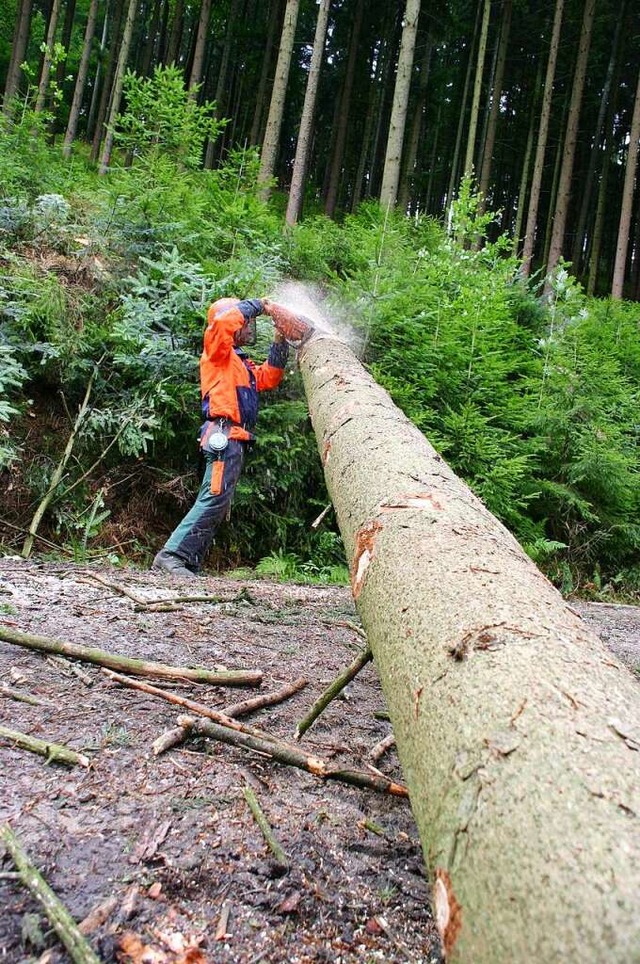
point(533, 403)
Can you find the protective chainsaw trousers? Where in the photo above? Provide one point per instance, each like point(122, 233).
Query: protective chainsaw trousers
point(192, 538)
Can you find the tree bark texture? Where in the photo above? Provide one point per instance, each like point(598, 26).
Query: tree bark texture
point(397, 124)
point(477, 90)
point(118, 84)
point(541, 146)
point(18, 49)
point(627, 200)
point(278, 94)
point(342, 118)
point(81, 79)
point(303, 147)
point(492, 126)
point(517, 731)
point(564, 187)
point(48, 55)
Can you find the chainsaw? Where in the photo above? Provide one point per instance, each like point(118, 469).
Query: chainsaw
point(296, 329)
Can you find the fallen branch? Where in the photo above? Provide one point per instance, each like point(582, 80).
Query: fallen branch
point(169, 739)
point(267, 699)
point(138, 667)
point(200, 708)
point(53, 752)
point(333, 690)
point(65, 927)
point(381, 748)
point(285, 753)
point(20, 697)
point(265, 827)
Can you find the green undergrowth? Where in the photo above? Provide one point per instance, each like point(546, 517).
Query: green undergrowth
point(104, 284)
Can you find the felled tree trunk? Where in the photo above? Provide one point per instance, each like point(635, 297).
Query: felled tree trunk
point(518, 732)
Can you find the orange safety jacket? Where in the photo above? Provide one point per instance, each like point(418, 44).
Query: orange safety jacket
point(229, 379)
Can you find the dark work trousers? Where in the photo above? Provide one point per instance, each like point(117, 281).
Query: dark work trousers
point(192, 538)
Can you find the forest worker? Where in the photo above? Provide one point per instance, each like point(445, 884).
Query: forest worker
point(229, 386)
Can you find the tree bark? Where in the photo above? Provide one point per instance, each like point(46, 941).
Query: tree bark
point(516, 729)
point(274, 14)
point(278, 94)
point(48, 55)
point(595, 153)
point(77, 946)
point(477, 90)
point(18, 50)
point(453, 177)
point(627, 201)
point(337, 157)
point(541, 146)
point(292, 756)
point(173, 47)
point(138, 667)
point(397, 124)
point(266, 699)
point(411, 150)
point(566, 173)
point(195, 77)
point(118, 83)
point(303, 146)
point(492, 126)
point(81, 79)
point(52, 752)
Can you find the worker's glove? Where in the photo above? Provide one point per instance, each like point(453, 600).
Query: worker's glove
point(250, 307)
point(267, 304)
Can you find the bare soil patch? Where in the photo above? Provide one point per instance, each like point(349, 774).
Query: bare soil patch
point(166, 847)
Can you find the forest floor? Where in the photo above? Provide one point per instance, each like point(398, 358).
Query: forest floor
point(160, 856)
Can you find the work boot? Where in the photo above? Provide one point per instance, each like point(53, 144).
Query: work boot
point(174, 564)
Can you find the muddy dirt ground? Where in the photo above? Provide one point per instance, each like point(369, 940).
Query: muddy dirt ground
point(160, 856)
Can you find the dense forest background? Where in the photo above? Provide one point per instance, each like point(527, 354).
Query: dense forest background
point(457, 182)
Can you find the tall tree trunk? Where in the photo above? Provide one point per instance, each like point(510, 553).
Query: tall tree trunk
point(18, 51)
point(337, 159)
point(492, 126)
point(303, 147)
point(455, 160)
point(276, 108)
point(595, 153)
point(627, 201)
point(65, 40)
point(598, 224)
point(411, 151)
point(107, 86)
point(541, 146)
point(48, 55)
point(395, 139)
point(148, 58)
point(195, 77)
point(477, 90)
point(564, 187)
point(522, 190)
point(267, 57)
point(222, 78)
point(517, 730)
point(175, 36)
point(95, 92)
point(365, 146)
point(118, 84)
point(81, 79)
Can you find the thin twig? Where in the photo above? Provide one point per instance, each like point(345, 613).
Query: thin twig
point(265, 828)
point(333, 690)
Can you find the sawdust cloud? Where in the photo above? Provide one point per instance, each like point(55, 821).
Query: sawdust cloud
point(330, 319)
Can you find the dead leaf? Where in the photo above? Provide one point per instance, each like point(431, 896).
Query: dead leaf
point(373, 926)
